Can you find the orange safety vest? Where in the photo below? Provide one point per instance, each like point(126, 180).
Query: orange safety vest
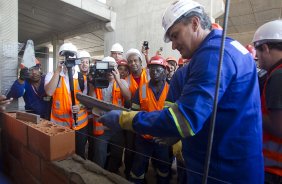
point(61, 113)
point(148, 101)
point(98, 128)
point(144, 78)
point(272, 146)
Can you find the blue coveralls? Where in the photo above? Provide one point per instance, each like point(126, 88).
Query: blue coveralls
point(35, 101)
point(237, 146)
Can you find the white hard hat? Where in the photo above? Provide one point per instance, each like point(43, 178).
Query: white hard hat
point(83, 54)
point(68, 47)
point(117, 48)
point(133, 51)
point(175, 11)
point(111, 60)
point(268, 32)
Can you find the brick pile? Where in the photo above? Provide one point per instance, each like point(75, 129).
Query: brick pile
point(44, 153)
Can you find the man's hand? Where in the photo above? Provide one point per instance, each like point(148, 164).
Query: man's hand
point(144, 51)
point(24, 74)
point(116, 74)
point(75, 108)
point(4, 102)
point(166, 141)
point(111, 120)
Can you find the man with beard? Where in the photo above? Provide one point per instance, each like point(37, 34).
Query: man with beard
point(30, 85)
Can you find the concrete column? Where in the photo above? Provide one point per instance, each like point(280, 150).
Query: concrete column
point(56, 46)
point(8, 43)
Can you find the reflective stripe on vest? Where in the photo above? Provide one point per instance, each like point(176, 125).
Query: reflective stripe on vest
point(144, 78)
point(98, 128)
point(148, 101)
point(272, 146)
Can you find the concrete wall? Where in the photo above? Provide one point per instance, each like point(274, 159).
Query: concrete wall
point(8, 43)
point(139, 20)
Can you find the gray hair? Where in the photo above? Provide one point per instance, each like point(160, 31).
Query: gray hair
point(196, 12)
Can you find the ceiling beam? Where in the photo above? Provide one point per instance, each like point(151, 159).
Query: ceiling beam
point(79, 30)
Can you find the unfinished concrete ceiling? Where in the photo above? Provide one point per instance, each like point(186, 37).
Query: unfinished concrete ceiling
point(43, 21)
point(247, 15)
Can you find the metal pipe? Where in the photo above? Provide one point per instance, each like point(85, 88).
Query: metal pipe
point(212, 124)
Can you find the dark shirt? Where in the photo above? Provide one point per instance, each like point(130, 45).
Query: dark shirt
point(273, 89)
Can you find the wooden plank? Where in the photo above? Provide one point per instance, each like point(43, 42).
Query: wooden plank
point(25, 116)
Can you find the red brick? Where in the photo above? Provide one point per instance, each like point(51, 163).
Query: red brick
point(15, 128)
point(50, 174)
point(18, 174)
point(14, 147)
point(51, 142)
point(31, 162)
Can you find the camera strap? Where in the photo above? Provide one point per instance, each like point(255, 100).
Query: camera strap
point(81, 81)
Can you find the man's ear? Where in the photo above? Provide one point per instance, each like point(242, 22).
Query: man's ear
point(265, 48)
point(196, 23)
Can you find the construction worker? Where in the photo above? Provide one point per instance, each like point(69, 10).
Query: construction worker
point(138, 76)
point(123, 68)
point(236, 155)
point(84, 57)
point(84, 65)
point(116, 93)
point(30, 85)
point(4, 102)
point(58, 86)
point(118, 140)
point(171, 68)
point(117, 51)
point(151, 97)
point(268, 43)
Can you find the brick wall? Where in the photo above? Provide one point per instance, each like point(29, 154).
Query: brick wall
point(44, 153)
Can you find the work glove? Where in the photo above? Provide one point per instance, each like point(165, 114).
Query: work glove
point(166, 141)
point(24, 73)
point(111, 120)
point(117, 120)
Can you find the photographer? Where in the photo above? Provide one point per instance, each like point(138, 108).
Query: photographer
point(30, 85)
point(57, 85)
point(116, 93)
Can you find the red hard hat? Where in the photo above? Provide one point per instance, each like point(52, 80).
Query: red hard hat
point(122, 62)
point(157, 60)
point(171, 59)
point(216, 26)
point(251, 50)
point(180, 61)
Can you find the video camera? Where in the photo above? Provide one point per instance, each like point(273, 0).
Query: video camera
point(98, 74)
point(70, 58)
